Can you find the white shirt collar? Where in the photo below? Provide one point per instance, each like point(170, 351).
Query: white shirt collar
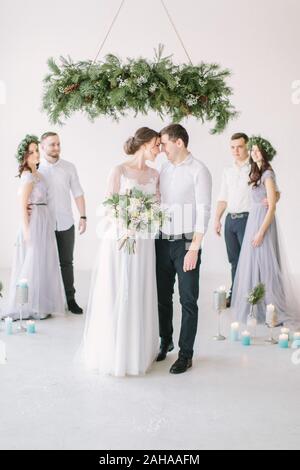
point(184, 162)
point(48, 164)
point(246, 163)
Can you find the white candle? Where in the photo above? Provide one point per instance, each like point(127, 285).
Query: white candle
point(271, 316)
point(234, 334)
point(285, 331)
point(8, 326)
point(246, 338)
point(284, 341)
point(30, 326)
point(297, 336)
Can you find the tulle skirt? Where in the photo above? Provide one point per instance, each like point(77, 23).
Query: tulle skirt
point(121, 331)
point(264, 264)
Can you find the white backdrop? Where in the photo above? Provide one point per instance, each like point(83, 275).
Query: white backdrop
point(258, 39)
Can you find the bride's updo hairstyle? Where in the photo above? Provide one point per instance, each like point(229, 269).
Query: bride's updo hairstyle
point(141, 137)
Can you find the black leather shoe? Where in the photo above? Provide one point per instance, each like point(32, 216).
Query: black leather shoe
point(164, 349)
point(181, 365)
point(46, 317)
point(74, 308)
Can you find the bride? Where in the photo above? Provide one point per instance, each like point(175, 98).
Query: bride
point(121, 330)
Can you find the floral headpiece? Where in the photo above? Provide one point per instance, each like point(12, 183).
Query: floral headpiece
point(23, 146)
point(262, 144)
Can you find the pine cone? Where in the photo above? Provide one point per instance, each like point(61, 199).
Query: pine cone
point(203, 99)
point(69, 89)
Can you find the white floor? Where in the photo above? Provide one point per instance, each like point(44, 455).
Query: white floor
point(233, 397)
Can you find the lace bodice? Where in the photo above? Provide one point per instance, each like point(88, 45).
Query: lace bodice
point(124, 178)
point(39, 191)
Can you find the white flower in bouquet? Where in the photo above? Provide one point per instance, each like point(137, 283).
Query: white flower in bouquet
point(135, 212)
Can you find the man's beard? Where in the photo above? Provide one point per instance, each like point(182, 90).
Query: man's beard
point(56, 156)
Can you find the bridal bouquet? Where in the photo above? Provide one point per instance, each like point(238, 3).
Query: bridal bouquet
point(135, 212)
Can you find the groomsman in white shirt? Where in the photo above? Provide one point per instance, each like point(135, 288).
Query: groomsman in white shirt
point(235, 197)
point(62, 179)
point(185, 186)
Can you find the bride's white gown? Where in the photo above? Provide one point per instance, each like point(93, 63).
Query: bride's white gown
point(121, 330)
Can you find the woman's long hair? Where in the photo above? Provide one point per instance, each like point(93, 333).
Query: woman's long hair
point(23, 166)
point(256, 172)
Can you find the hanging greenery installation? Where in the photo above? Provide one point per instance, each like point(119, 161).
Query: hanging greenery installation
point(112, 88)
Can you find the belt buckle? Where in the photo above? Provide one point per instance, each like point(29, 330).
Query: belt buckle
point(237, 216)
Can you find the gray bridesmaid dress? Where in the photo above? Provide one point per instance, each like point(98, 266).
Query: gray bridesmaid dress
point(37, 260)
point(262, 264)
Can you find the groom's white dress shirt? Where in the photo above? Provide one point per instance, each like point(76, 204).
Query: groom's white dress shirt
point(186, 194)
point(62, 179)
point(235, 189)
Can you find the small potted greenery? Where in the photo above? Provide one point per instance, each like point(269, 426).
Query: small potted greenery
point(254, 298)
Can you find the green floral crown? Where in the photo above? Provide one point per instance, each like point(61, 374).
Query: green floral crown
point(23, 146)
point(262, 144)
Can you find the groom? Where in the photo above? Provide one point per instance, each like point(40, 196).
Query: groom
point(185, 186)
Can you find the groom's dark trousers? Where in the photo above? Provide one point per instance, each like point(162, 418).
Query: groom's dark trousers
point(235, 227)
point(65, 243)
point(169, 262)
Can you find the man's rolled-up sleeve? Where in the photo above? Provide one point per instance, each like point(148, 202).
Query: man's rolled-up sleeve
point(203, 191)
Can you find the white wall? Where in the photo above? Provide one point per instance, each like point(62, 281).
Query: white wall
point(257, 39)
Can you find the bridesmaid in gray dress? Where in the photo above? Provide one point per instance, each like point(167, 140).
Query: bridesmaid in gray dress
point(36, 256)
point(260, 260)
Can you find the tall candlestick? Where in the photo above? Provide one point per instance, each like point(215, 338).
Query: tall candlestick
point(220, 300)
point(271, 316)
point(219, 305)
point(22, 292)
point(22, 299)
point(252, 325)
point(271, 321)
